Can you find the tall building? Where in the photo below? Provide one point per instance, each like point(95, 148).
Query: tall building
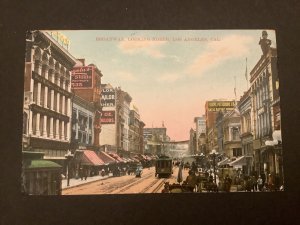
point(82, 123)
point(154, 140)
point(47, 103)
point(47, 113)
point(200, 129)
point(86, 83)
point(134, 130)
point(212, 108)
point(244, 107)
point(265, 111)
point(123, 101)
point(108, 136)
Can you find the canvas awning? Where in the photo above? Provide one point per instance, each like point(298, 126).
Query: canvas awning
point(106, 158)
point(241, 161)
point(90, 158)
point(224, 162)
point(42, 164)
point(116, 157)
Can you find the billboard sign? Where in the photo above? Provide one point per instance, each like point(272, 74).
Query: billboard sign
point(82, 77)
point(108, 97)
point(215, 106)
point(108, 117)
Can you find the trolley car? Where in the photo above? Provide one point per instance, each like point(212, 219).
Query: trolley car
point(163, 167)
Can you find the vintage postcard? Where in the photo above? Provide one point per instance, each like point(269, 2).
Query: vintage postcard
point(151, 111)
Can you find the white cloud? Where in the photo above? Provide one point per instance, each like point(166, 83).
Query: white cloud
point(168, 77)
point(126, 76)
point(218, 52)
point(147, 47)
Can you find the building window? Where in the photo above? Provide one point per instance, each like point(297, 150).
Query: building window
point(236, 152)
point(235, 134)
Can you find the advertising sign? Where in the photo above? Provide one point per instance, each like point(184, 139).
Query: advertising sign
point(215, 106)
point(108, 117)
point(108, 97)
point(82, 77)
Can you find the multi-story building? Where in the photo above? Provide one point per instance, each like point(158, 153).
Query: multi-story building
point(134, 131)
point(265, 112)
point(154, 140)
point(82, 122)
point(141, 135)
point(47, 113)
point(193, 142)
point(108, 136)
point(244, 107)
point(231, 124)
point(123, 101)
point(212, 108)
point(86, 83)
point(200, 129)
point(47, 104)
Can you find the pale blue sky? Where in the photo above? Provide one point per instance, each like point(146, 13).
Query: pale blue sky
point(170, 80)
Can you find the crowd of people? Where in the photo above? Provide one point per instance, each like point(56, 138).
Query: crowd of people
point(205, 180)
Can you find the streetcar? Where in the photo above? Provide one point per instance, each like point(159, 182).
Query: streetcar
point(163, 166)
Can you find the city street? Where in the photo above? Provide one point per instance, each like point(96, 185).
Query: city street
point(128, 184)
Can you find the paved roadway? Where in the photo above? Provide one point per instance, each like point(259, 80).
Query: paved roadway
point(127, 184)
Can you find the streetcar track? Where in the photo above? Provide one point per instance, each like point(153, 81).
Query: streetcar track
point(155, 190)
point(128, 184)
point(150, 186)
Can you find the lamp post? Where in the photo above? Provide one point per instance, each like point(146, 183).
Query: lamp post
point(213, 154)
point(68, 157)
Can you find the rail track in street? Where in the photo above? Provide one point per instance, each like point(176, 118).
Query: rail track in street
point(128, 184)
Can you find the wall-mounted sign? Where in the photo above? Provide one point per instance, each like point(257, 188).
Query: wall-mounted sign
point(108, 117)
point(108, 97)
point(215, 106)
point(82, 77)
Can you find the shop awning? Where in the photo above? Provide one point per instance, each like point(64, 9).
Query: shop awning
point(90, 158)
point(241, 161)
point(106, 158)
point(116, 157)
point(224, 162)
point(42, 164)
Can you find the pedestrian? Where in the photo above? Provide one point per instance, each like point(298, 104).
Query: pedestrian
point(260, 183)
point(81, 173)
point(227, 182)
point(179, 176)
point(254, 183)
point(166, 188)
point(191, 181)
point(270, 183)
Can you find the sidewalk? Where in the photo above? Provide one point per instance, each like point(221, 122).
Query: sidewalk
point(77, 182)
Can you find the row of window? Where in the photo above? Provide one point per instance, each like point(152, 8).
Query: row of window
point(58, 108)
point(62, 134)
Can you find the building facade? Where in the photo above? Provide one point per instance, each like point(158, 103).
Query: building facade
point(108, 136)
point(154, 140)
point(244, 107)
point(212, 108)
point(134, 130)
point(265, 112)
point(47, 103)
point(82, 122)
point(231, 124)
point(86, 83)
point(123, 101)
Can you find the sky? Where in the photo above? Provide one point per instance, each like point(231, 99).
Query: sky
point(171, 74)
